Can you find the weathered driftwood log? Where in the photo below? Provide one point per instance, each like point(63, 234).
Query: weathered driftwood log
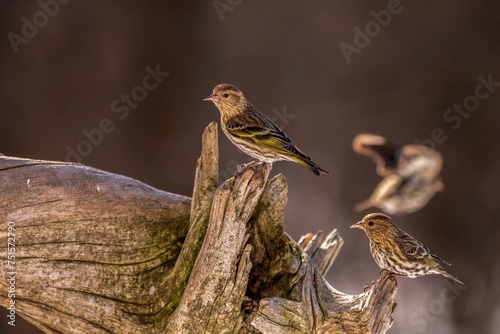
point(97, 252)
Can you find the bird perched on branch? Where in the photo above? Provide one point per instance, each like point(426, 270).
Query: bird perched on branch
point(253, 132)
point(411, 174)
point(396, 251)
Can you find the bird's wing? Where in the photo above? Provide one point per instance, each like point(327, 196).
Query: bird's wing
point(253, 122)
point(263, 131)
point(412, 247)
point(420, 161)
point(384, 153)
point(246, 126)
point(387, 187)
point(416, 250)
point(438, 259)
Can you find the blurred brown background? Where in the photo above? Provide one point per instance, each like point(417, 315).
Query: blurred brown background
point(286, 58)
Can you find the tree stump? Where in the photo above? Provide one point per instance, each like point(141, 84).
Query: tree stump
point(96, 252)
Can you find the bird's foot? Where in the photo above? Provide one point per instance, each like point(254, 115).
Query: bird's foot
point(391, 275)
point(368, 287)
point(241, 168)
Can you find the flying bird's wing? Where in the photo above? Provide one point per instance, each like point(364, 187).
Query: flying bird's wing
point(387, 187)
point(420, 161)
point(384, 153)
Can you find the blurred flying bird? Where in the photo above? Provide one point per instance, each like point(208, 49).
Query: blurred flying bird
point(411, 174)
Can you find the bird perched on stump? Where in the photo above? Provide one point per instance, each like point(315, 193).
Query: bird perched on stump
point(253, 132)
point(396, 251)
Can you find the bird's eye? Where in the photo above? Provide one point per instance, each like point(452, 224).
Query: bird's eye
point(370, 223)
point(226, 95)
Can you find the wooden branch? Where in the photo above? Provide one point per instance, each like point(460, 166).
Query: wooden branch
point(322, 251)
point(204, 188)
point(101, 253)
point(93, 249)
point(214, 295)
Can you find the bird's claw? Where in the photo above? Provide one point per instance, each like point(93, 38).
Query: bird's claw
point(392, 276)
point(241, 168)
point(368, 287)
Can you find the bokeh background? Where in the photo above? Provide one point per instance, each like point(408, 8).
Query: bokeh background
point(286, 58)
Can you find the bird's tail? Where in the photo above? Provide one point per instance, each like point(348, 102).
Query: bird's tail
point(308, 163)
point(445, 274)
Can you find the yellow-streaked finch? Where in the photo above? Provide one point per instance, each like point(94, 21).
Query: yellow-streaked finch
point(396, 251)
point(253, 132)
point(411, 174)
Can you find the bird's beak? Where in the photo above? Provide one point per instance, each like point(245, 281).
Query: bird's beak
point(213, 98)
point(358, 225)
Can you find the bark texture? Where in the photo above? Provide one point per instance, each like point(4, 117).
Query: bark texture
point(97, 252)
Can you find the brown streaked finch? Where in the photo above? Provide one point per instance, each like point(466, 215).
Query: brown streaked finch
point(253, 132)
point(395, 250)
